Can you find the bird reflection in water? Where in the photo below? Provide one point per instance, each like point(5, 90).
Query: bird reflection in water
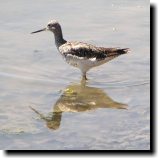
point(78, 98)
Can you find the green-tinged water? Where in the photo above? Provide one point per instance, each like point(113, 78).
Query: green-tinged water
point(44, 105)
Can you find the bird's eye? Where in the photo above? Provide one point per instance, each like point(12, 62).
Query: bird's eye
point(49, 25)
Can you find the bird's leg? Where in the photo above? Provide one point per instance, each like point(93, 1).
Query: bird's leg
point(84, 77)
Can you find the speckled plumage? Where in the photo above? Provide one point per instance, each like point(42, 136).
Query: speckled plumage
point(79, 54)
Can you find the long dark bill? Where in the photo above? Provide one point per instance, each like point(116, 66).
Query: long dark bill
point(39, 30)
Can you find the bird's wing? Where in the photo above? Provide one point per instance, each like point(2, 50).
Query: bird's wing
point(82, 50)
point(88, 51)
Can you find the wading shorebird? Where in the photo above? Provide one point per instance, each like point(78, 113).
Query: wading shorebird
point(79, 54)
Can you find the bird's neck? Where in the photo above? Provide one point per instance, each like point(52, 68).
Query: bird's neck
point(59, 38)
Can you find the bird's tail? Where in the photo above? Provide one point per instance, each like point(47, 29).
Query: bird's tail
point(123, 51)
point(115, 52)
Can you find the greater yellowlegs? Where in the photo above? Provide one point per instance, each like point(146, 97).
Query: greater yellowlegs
point(79, 54)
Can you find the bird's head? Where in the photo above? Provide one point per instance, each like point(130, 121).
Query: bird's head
point(52, 26)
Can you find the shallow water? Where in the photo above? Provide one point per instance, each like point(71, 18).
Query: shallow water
point(42, 103)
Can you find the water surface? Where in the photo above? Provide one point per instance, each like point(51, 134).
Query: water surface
point(43, 105)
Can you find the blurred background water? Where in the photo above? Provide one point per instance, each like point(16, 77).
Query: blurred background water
point(42, 103)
